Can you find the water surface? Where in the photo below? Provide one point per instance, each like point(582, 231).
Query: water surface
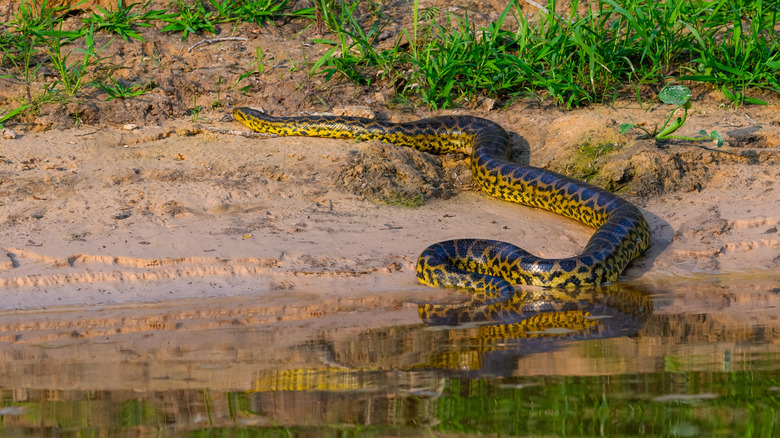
point(696, 357)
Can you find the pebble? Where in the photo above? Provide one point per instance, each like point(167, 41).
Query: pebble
point(9, 134)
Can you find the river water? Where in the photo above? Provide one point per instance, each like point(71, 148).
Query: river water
point(681, 357)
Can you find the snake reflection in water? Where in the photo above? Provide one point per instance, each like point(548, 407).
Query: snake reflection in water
point(490, 268)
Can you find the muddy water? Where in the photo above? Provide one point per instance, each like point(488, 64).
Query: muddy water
point(679, 357)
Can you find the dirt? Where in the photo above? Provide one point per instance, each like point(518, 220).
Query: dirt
point(136, 200)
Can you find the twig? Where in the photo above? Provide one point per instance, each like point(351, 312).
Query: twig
point(217, 40)
point(317, 14)
point(538, 6)
point(547, 11)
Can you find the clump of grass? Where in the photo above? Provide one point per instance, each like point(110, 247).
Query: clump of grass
point(261, 11)
point(35, 37)
point(122, 19)
point(22, 42)
point(120, 90)
point(194, 17)
point(574, 59)
point(191, 18)
point(73, 72)
point(737, 46)
point(353, 54)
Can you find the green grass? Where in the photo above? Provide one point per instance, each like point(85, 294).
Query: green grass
point(122, 20)
point(34, 38)
point(120, 90)
point(611, 49)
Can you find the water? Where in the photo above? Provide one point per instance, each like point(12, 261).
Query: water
point(687, 358)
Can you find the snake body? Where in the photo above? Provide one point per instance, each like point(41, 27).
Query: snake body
point(489, 267)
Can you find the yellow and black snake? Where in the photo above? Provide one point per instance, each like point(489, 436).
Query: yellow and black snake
point(489, 267)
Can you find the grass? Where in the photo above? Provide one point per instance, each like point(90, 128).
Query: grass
point(574, 59)
point(122, 20)
point(34, 38)
point(11, 114)
point(120, 90)
point(73, 72)
point(610, 49)
point(192, 17)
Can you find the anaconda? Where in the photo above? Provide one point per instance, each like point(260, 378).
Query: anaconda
point(489, 267)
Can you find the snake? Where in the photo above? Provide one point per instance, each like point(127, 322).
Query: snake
point(491, 268)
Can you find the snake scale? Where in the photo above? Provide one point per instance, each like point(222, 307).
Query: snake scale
point(491, 268)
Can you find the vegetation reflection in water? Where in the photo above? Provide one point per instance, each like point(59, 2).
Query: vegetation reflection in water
point(614, 362)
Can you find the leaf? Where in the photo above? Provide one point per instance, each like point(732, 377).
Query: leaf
point(715, 135)
point(625, 127)
point(675, 95)
point(728, 93)
point(13, 112)
point(668, 130)
point(323, 59)
point(754, 101)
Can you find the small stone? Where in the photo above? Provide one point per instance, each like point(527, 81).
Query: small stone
point(9, 134)
point(488, 103)
point(129, 127)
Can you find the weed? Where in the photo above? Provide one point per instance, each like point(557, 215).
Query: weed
point(27, 30)
point(12, 113)
point(195, 110)
point(257, 65)
point(680, 96)
point(191, 18)
point(354, 55)
point(574, 58)
point(120, 20)
point(260, 11)
point(218, 103)
point(72, 74)
point(119, 90)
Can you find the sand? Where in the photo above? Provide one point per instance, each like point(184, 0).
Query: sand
point(156, 213)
